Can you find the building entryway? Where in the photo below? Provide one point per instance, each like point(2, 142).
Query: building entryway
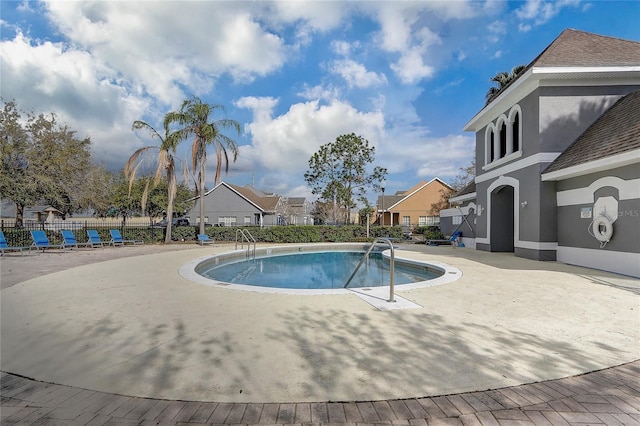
point(502, 219)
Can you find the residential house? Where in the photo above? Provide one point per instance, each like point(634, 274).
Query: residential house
point(558, 158)
point(413, 207)
point(232, 205)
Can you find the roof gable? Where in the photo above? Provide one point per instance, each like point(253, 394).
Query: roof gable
point(394, 200)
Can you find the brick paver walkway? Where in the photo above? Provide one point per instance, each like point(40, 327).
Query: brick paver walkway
point(606, 397)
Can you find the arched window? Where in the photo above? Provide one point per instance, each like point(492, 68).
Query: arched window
point(503, 139)
point(492, 144)
point(515, 131)
point(489, 149)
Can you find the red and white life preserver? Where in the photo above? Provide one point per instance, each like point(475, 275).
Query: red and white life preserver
point(602, 229)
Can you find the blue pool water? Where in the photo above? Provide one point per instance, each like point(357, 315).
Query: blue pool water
point(316, 270)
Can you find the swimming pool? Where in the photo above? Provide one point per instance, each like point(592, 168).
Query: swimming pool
point(276, 270)
point(316, 270)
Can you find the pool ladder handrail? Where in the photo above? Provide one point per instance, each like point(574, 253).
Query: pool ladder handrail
point(246, 236)
point(391, 265)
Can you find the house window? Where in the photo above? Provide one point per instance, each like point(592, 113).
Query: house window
point(492, 144)
point(227, 220)
point(515, 128)
point(504, 137)
point(428, 220)
point(406, 220)
point(503, 140)
point(247, 220)
point(457, 220)
point(206, 219)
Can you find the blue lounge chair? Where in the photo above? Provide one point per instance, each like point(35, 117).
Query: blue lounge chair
point(94, 239)
point(116, 239)
point(5, 247)
point(204, 239)
point(41, 241)
point(69, 239)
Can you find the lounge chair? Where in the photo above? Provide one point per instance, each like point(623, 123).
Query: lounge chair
point(116, 239)
point(94, 239)
point(69, 239)
point(5, 247)
point(41, 241)
point(204, 239)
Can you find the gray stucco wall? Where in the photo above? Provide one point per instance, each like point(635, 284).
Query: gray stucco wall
point(574, 231)
point(566, 112)
point(468, 228)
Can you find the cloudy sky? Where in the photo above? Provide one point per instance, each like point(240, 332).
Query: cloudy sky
point(406, 76)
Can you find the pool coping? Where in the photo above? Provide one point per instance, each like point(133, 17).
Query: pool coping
point(188, 270)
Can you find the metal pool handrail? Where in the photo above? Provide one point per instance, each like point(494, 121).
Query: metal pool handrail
point(246, 235)
point(391, 265)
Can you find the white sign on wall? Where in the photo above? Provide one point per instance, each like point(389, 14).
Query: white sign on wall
point(585, 213)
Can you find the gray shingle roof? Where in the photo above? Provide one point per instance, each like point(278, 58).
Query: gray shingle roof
point(615, 132)
point(470, 188)
point(574, 48)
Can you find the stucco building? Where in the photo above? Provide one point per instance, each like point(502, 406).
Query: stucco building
point(558, 156)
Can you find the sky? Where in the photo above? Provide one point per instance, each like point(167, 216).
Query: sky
point(406, 76)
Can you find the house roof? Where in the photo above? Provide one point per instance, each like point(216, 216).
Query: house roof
point(616, 131)
point(266, 203)
point(574, 48)
point(390, 201)
point(297, 201)
point(470, 188)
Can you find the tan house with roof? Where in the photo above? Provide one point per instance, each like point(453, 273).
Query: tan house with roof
point(558, 159)
point(232, 205)
point(413, 207)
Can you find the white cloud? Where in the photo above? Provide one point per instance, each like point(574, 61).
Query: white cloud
point(319, 92)
point(168, 54)
point(524, 28)
point(286, 142)
point(344, 48)
point(411, 68)
point(497, 27)
point(497, 54)
point(541, 11)
point(356, 75)
point(51, 77)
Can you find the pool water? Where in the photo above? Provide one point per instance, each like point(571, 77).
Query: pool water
point(316, 270)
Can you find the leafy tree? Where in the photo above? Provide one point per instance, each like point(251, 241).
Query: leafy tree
point(42, 161)
point(15, 155)
point(158, 201)
point(62, 165)
point(165, 166)
point(503, 79)
point(193, 120)
point(98, 190)
point(365, 213)
point(337, 172)
point(465, 176)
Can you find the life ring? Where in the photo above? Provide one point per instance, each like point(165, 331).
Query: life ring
point(602, 229)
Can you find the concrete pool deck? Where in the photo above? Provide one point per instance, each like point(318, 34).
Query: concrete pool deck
point(132, 326)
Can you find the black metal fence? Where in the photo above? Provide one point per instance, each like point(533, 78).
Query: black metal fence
point(21, 236)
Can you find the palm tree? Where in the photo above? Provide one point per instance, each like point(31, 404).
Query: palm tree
point(165, 165)
point(193, 118)
point(503, 79)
